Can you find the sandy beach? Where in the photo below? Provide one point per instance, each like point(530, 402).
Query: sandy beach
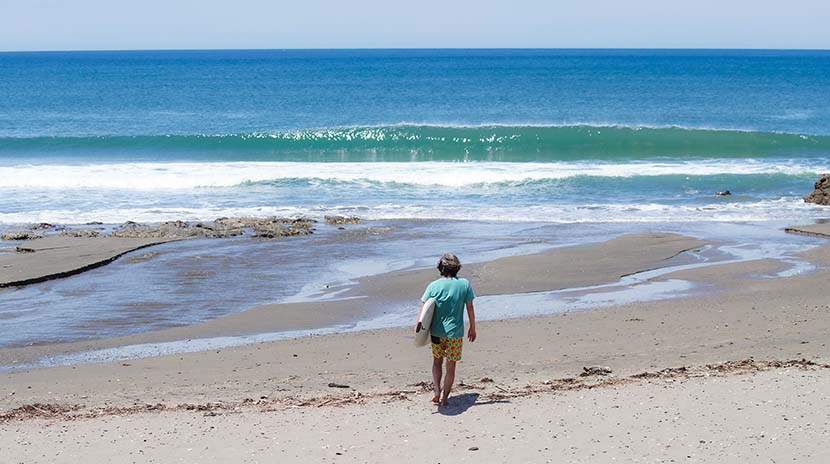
point(217, 223)
point(735, 373)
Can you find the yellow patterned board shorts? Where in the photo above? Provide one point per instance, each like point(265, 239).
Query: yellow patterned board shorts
point(450, 348)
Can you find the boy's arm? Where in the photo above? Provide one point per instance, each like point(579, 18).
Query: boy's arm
point(471, 315)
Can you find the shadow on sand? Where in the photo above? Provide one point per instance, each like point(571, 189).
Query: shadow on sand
point(461, 403)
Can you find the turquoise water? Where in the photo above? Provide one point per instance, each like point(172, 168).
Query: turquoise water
point(407, 143)
point(518, 135)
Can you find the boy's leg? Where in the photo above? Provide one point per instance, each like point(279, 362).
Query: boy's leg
point(448, 380)
point(436, 378)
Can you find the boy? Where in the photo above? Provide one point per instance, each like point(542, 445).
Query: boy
point(451, 295)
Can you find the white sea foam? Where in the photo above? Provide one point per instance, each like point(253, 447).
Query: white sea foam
point(784, 209)
point(176, 176)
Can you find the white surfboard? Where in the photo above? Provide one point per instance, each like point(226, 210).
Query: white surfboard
point(424, 323)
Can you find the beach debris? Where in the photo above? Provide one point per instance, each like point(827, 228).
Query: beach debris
point(22, 248)
point(723, 193)
point(70, 412)
point(325, 402)
point(13, 235)
point(472, 448)
point(595, 370)
point(38, 410)
point(337, 385)
point(486, 380)
point(341, 220)
point(466, 386)
point(821, 191)
point(424, 386)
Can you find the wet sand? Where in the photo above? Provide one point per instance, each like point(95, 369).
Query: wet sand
point(559, 268)
point(816, 230)
point(273, 399)
point(60, 256)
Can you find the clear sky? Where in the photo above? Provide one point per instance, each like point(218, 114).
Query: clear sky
point(178, 24)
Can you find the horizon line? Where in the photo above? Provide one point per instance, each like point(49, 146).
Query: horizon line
point(412, 49)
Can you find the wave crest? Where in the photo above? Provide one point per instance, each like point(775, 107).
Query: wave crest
point(401, 143)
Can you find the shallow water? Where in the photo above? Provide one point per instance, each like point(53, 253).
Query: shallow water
point(188, 282)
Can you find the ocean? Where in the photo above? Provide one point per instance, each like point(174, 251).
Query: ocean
point(527, 149)
point(563, 136)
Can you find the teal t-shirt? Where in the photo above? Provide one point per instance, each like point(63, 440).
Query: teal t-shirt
point(451, 295)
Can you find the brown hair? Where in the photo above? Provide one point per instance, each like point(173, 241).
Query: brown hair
point(449, 265)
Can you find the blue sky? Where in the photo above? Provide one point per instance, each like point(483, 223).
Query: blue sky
point(176, 24)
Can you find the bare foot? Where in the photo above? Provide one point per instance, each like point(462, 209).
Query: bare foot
point(445, 402)
point(436, 399)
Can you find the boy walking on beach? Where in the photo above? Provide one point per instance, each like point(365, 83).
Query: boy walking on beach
point(452, 294)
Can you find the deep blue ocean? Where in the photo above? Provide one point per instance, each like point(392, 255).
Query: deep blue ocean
point(564, 136)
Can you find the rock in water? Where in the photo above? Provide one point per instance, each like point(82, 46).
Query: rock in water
point(82, 233)
point(175, 230)
point(338, 220)
point(723, 193)
point(821, 193)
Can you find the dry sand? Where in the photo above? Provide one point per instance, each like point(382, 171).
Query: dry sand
point(273, 400)
point(773, 416)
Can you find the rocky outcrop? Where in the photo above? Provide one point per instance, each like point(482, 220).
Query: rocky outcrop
point(821, 193)
point(20, 235)
point(175, 230)
point(265, 227)
point(341, 220)
point(283, 227)
point(81, 233)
